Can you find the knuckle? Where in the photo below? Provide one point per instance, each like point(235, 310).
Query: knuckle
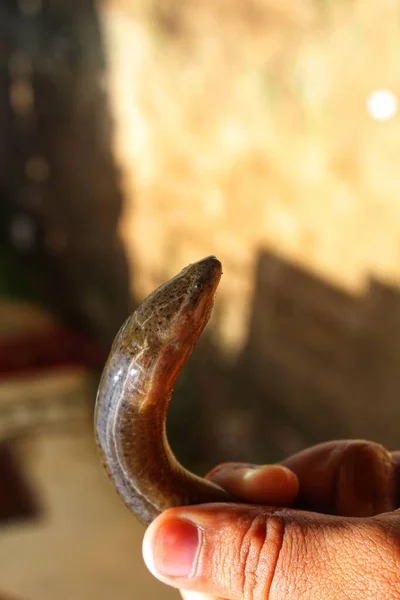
point(258, 555)
point(298, 563)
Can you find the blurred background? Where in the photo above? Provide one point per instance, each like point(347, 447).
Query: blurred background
point(136, 137)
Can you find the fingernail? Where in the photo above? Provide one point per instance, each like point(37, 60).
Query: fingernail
point(176, 545)
point(271, 470)
point(249, 473)
point(224, 472)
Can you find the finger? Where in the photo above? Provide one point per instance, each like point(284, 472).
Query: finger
point(268, 484)
point(349, 478)
point(242, 552)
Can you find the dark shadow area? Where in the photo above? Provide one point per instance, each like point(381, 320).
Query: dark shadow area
point(17, 498)
point(56, 165)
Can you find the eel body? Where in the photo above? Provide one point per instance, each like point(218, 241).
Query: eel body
point(145, 361)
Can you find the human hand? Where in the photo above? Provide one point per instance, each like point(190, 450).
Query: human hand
point(348, 547)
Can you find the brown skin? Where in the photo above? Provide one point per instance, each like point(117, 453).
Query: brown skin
point(263, 553)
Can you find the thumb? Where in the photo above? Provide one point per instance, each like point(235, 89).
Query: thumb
point(241, 552)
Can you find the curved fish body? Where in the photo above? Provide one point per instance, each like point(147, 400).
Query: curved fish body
point(145, 361)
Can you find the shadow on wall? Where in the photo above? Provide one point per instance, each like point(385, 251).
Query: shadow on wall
point(56, 162)
point(318, 364)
